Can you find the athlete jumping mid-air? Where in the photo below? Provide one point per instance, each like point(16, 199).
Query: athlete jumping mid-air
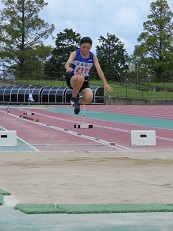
point(78, 67)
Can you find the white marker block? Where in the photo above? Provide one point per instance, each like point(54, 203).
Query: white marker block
point(28, 113)
point(83, 126)
point(8, 138)
point(10, 201)
point(143, 137)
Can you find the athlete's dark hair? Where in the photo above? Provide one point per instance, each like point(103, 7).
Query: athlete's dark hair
point(86, 40)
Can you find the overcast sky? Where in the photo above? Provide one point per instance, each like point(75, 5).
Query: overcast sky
point(123, 18)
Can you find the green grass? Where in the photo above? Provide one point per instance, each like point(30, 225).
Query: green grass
point(42, 82)
point(164, 85)
point(119, 91)
point(1, 199)
point(2, 193)
point(93, 208)
point(136, 92)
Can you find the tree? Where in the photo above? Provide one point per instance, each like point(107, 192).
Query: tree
point(21, 34)
point(112, 57)
point(66, 42)
point(156, 44)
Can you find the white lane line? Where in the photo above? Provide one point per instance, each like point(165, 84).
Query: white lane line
point(19, 137)
point(164, 138)
point(111, 128)
point(106, 127)
point(100, 141)
point(103, 142)
point(29, 145)
point(95, 125)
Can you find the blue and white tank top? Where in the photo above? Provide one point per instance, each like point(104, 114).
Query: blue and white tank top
point(82, 66)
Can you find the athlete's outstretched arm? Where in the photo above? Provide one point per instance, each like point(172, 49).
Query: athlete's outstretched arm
point(101, 75)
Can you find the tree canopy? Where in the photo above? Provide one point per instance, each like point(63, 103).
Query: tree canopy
point(112, 56)
point(66, 42)
point(155, 47)
point(22, 32)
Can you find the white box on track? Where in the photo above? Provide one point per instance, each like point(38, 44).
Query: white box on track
point(83, 125)
point(8, 138)
point(143, 137)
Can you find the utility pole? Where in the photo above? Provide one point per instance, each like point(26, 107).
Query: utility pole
point(137, 68)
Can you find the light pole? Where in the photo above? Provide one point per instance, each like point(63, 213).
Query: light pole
point(137, 68)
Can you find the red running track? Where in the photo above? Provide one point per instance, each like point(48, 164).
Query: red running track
point(56, 132)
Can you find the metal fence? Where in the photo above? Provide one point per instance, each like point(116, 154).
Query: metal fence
point(124, 87)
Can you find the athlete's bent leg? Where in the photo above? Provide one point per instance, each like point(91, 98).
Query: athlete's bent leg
point(76, 83)
point(87, 96)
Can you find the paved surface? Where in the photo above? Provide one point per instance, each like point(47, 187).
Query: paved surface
point(11, 220)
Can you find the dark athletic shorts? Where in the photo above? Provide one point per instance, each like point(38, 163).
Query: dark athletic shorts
point(85, 84)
